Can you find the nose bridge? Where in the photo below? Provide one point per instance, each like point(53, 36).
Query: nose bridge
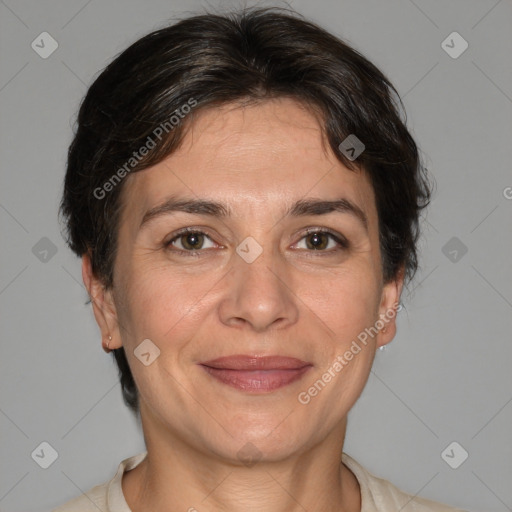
point(258, 293)
point(260, 270)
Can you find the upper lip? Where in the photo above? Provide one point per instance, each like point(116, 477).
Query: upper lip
point(248, 362)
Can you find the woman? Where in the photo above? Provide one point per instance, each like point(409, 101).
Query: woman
point(245, 198)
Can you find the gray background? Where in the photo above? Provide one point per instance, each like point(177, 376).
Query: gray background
point(446, 377)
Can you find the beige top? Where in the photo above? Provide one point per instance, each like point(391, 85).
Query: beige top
point(377, 495)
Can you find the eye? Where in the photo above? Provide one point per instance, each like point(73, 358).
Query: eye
point(190, 241)
point(322, 240)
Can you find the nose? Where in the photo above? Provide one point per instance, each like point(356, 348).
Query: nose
point(259, 295)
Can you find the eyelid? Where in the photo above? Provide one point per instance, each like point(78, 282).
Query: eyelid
point(188, 229)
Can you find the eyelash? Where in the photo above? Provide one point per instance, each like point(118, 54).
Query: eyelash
point(339, 239)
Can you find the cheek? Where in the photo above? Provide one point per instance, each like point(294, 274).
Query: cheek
point(346, 302)
point(345, 308)
point(163, 305)
point(166, 309)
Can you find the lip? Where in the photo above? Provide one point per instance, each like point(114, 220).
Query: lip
point(245, 362)
point(256, 373)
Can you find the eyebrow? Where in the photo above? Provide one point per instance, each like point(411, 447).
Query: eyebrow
point(302, 207)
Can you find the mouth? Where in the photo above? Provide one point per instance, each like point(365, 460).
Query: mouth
point(257, 374)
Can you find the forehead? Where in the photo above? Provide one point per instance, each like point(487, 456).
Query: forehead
point(265, 155)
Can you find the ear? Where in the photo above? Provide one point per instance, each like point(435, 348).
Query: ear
point(389, 307)
point(103, 306)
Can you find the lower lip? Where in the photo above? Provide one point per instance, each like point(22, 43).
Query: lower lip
point(256, 380)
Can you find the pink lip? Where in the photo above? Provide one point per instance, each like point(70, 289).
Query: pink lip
point(256, 374)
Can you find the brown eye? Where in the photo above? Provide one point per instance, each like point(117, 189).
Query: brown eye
point(322, 241)
point(190, 241)
point(317, 241)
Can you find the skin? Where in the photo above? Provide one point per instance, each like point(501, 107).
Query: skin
point(292, 300)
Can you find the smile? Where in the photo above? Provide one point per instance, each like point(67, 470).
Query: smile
point(256, 374)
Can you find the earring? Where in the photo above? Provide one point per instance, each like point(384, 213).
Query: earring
point(384, 329)
point(106, 345)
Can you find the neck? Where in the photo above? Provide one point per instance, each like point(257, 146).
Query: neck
point(177, 476)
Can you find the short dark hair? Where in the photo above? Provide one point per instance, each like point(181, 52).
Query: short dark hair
point(209, 60)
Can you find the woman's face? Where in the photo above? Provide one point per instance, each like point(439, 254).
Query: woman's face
point(314, 288)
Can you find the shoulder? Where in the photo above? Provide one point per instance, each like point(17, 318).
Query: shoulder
point(107, 497)
point(379, 495)
point(91, 501)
